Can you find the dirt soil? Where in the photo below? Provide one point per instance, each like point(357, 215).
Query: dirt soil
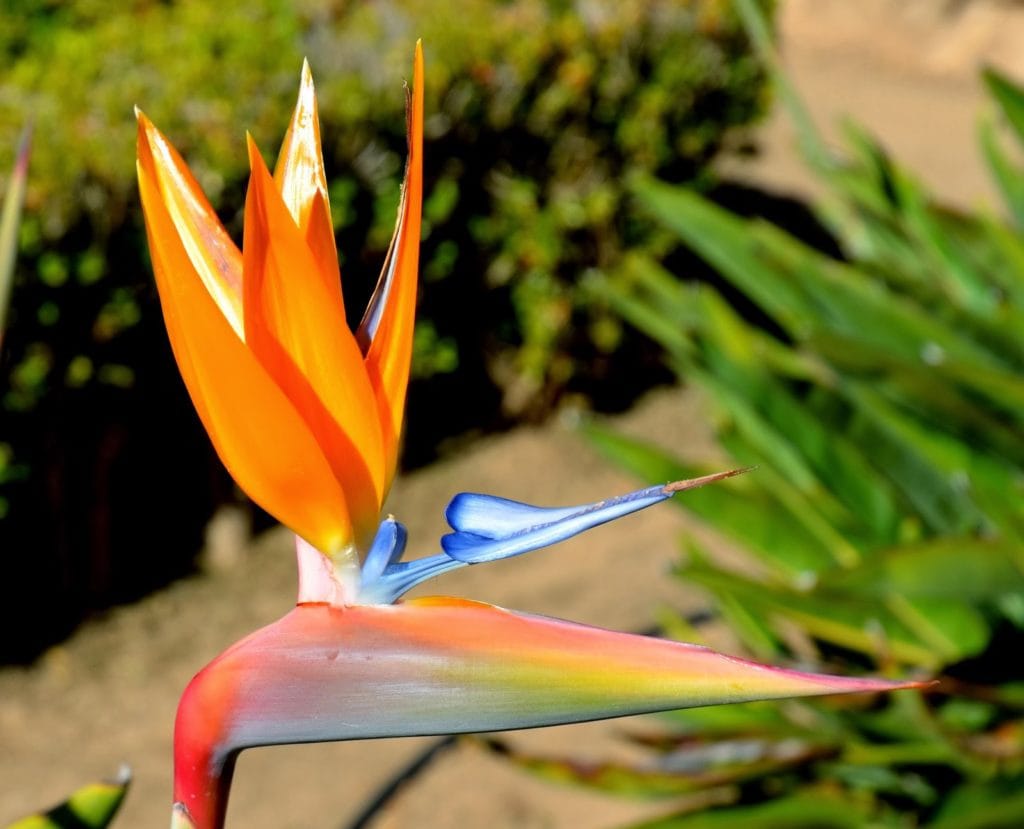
point(907, 69)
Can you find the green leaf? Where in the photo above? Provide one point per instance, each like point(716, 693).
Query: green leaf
point(1010, 98)
point(795, 441)
point(1009, 247)
point(1009, 178)
point(753, 631)
point(847, 621)
point(930, 469)
point(954, 629)
point(743, 510)
point(750, 718)
point(881, 780)
point(944, 569)
point(995, 805)
point(804, 810)
point(91, 807)
point(693, 766)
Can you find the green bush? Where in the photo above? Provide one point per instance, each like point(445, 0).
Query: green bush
point(536, 114)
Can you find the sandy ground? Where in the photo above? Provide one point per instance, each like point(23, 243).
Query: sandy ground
point(109, 694)
point(907, 69)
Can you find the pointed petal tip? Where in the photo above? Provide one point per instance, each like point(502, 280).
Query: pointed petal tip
point(255, 157)
point(861, 685)
point(147, 140)
point(152, 147)
point(146, 128)
point(417, 70)
point(307, 90)
point(22, 154)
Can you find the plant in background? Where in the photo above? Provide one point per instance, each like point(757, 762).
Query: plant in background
point(881, 397)
point(94, 806)
point(539, 109)
point(538, 118)
point(306, 415)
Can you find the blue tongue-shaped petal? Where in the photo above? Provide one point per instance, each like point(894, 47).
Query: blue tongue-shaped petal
point(492, 517)
point(387, 548)
point(488, 528)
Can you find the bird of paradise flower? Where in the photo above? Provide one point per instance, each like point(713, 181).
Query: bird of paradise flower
point(306, 415)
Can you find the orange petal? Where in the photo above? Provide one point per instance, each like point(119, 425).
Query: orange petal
point(259, 435)
point(213, 255)
point(301, 180)
point(386, 330)
point(298, 332)
point(320, 240)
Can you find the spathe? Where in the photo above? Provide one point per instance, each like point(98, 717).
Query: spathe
point(441, 666)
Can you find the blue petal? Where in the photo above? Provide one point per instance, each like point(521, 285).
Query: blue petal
point(401, 577)
point(488, 528)
point(387, 548)
point(518, 528)
point(492, 517)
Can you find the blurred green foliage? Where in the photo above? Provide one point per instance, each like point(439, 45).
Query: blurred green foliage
point(93, 806)
point(537, 111)
point(879, 392)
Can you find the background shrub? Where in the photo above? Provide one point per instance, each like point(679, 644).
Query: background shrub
point(537, 113)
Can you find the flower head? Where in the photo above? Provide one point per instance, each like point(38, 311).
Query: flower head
point(304, 413)
point(306, 416)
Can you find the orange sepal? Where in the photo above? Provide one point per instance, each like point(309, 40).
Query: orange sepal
point(320, 241)
point(302, 182)
point(389, 352)
point(299, 334)
point(213, 255)
point(257, 432)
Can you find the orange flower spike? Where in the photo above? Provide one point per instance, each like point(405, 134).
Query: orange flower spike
point(302, 182)
point(385, 333)
point(297, 330)
point(241, 406)
point(212, 253)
